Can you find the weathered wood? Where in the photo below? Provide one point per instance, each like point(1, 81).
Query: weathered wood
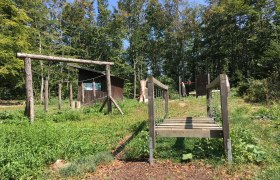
point(191, 118)
point(78, 104)
point(200, 133)
point(93, 88)
point(71, 95)
point(189, 124)
point(166, 97)
point(189, 121)
point(109, 88)
point(72, 105)
point(180, 89)
point(61, 59)
point(103, 104)
point(46, 94)
point(143, 95)
point(59, 95)
point(152, 134)
point(224, 109)
point(83, 92)
point(214, 84)
point(117, 106)
point(208, 100)
point(158, 83)
point(29, 109)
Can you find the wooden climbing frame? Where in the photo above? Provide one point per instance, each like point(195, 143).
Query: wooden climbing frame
point(202, 127)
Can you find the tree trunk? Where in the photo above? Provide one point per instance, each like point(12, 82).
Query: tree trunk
point(29, 109)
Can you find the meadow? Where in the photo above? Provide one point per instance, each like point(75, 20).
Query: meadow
point(86, 137)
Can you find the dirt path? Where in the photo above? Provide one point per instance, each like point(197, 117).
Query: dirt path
point(160, 170)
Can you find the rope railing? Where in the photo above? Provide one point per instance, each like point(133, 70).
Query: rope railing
point(157, 107)
point(222, 83)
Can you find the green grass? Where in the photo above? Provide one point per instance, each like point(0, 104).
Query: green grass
point(27, 150)
point(82, 137)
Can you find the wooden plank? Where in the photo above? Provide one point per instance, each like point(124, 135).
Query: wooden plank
point(191, 119)
point(187, 127)
point(59, 95)
point(187, 121)
point(190, 124)
point(29, 108)
point(151, 110)
point(61, 59)
point(46, 94)
point(200, 133)
point(117, 106)
point(109, 88)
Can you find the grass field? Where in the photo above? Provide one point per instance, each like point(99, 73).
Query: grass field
point(86, 138)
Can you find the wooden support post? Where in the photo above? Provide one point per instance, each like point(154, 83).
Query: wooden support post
point(29, 109)
point(109, 88)
point(166, 96)
point(224, 109)
point(72, 105)
point(59, 95)
point(180, 87)
point(46, 95)
point(83, 92)
point(208, 99)
point(151, 116)
point(93, 89)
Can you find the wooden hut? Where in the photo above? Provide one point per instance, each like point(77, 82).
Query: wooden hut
point(92, 85)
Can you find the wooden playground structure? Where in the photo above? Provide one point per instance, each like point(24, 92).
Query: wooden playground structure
point(29, 109)
point(199, 127)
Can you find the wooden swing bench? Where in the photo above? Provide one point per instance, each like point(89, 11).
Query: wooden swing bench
point(195, 127)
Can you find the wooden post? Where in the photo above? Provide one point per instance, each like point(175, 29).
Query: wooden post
point(208, 98)
point(180, 90)
point(166, 96)
point(59, 95)
point(71, 96)
point(151, 117)
point(46, 94)
point(224, 109)
point(29, 109)
point(109, 88)
point(93, 89)
point(83, 92)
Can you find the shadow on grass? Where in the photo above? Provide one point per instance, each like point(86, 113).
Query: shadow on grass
point(126, 141)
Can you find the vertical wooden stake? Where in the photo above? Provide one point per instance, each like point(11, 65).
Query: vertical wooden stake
point(109, 88)
point(180, 87)
point(83, 93)
point(46, 94)
point(224, 109)
point(151, 109)
point(93, 89)
point(208, 99)
point(59, 95)
point(71, 96)
point(29, 109)
point(166, 96)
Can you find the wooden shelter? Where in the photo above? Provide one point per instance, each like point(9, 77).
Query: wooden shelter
point(92, 85)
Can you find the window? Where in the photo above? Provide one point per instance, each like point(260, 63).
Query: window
point(89, 86)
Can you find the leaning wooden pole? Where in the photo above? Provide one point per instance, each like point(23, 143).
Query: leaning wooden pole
point(29, 109)
point(109, 88)
point(46, 94)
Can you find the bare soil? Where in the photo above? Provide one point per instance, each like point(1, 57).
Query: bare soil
point(160, 170)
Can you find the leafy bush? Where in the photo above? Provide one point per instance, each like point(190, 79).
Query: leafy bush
point(264, 114)
point(245, 147)
point(242, 88)
point(257, 91)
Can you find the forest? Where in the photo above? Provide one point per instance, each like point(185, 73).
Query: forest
point(166, 39)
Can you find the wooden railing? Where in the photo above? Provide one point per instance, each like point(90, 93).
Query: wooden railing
point(222, 83)
point(152, 84)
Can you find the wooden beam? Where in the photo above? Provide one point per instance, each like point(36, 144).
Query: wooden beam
point(117, 106)
point(46, 94)
point(158, 83)
point(151, 111)
point(61, 59)
point(109, 88)
point(29, 109)
point(103, 104)
point(214, 84)
point(166, 97)
point(83, 92)
point(59, 95)
point(72, 105)
point(180, 87)
point(200, 133)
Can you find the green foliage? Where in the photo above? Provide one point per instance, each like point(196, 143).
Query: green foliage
point(86, 164)
point(264, 114)
point(257, 91)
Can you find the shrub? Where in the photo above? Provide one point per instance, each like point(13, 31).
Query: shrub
point(257, 91)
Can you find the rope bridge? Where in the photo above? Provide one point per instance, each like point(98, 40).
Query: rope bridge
point(202, 127)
